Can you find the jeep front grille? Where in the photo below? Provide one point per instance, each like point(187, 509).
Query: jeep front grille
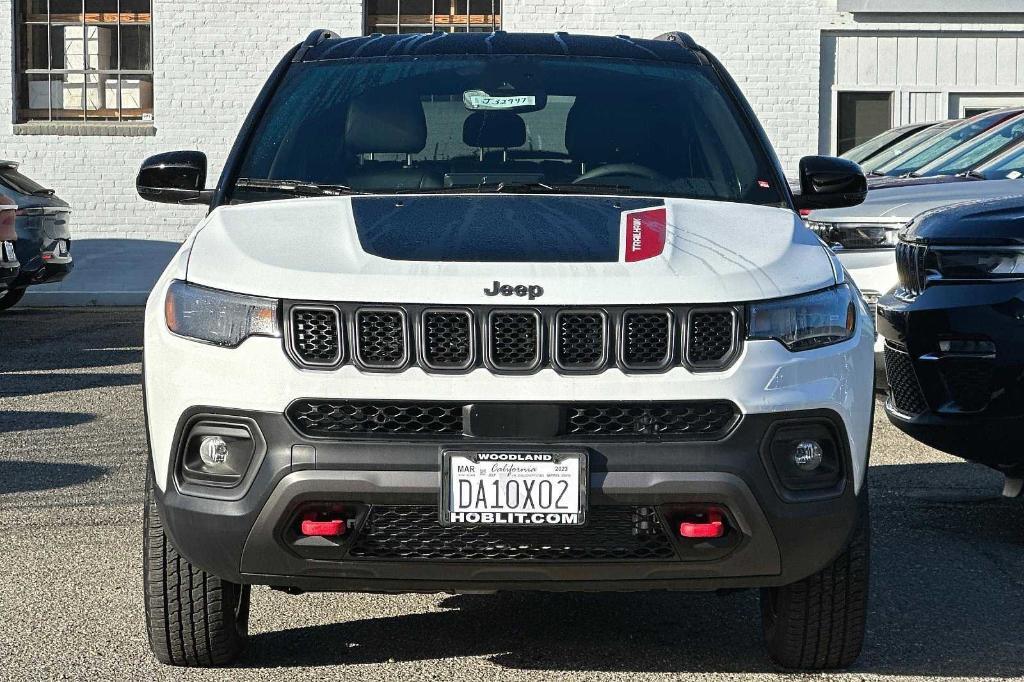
point(514, 339)
point(391, 338)
point(710, 337)
point(646, 340)
point(381, 338)
point(688, 420)
point(316, 335)
point(581, 340)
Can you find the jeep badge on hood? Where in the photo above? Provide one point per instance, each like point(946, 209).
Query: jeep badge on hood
point(499, 289)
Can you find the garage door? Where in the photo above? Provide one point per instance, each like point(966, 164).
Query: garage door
point(881, 80)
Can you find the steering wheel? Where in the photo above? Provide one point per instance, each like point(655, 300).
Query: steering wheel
point(631, 169)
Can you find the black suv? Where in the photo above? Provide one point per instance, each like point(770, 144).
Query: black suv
point(954, 334)
point(43, 243)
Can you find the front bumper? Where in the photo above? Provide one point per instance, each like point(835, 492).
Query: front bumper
point(247, 535)
point(969, 404)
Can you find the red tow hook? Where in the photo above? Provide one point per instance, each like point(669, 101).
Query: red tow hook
point(325, 529)
point(711, 527)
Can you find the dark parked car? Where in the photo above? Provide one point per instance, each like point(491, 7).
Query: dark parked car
point(43, 243)
point(954, 334)
point(868, 150)
point(963, 158)
point(905, 145)
point(930, 150)
point(9, 265)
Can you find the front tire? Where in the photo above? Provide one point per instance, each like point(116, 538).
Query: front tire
point(193, 618)
point(818, 623)
point(10, 298)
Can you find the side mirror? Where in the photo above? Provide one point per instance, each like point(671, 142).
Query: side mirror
point(174, 178)
point(830, 182)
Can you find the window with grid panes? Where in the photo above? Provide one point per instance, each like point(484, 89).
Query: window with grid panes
point(84, 60)
point(425, 16)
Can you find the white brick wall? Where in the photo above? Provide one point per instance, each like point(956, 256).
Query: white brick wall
point(211, 57)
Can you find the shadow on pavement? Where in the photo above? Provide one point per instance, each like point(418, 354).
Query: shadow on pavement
point(18, 385)
point(88, 338)
point(22, 476)
point(36, 421)
point(947, 585)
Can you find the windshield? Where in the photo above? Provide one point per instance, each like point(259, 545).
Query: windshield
point(866, 150)
point(1007, 166)
point(905, 145)
point(933, 149)
point(505, 123)
point(976, 151)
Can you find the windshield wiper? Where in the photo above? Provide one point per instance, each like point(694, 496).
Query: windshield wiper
point(525, 187)
point(295, 187)
point(972, 174)
point(875, 174)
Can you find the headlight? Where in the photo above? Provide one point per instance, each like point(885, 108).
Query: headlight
point(805, 322)
point(857, 235)
point(954, 263)
point(218, 317)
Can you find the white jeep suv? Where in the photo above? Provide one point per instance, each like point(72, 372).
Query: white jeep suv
point(482, 312)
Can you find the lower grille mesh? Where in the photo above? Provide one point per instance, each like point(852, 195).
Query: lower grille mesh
point(904, 388)
point(703, 419)
point(410, 533)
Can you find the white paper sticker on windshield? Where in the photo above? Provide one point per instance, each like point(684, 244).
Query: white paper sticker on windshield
point(1013, 175)
point(478, 100)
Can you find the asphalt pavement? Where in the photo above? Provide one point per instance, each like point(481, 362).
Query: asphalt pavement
point(947, 597)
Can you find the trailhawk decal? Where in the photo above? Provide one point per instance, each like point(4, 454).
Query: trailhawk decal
point(644, 233)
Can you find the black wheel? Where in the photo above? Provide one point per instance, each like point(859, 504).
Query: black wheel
point(10, 297)
point(818, 623)
point(192, 618)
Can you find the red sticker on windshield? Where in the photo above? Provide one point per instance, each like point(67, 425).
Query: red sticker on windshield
point(645, 233)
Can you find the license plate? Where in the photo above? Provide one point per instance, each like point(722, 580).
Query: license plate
point(521, 488)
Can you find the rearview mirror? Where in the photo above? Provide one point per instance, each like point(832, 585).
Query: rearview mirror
point(174, 178)
point(830, 182)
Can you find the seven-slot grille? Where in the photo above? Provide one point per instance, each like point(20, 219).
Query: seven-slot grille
point(316, 335)
point(512, 340)
point(448, 339)
point(581, 340)
point(910, 266)
point(710, 337)
point(685, 420)
point(380, 338)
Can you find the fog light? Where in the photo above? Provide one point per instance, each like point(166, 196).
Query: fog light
point(213, 450)
point(807, 455)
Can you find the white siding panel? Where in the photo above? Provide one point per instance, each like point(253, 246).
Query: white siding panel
point(1006, 61)
point(887, 61)
point(945, 62)
point(966, 62)
point(846, 61)
point(906, 59)
point(927, 61)
point(986, 61)
point(867, 61)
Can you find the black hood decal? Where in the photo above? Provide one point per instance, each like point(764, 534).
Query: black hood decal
point(494, 228)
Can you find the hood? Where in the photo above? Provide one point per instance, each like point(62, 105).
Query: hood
point(901, 204)
point(559, 250)
point(975, 223)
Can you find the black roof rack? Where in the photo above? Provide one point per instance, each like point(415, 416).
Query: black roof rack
point(679, 37)
point(312, 40)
